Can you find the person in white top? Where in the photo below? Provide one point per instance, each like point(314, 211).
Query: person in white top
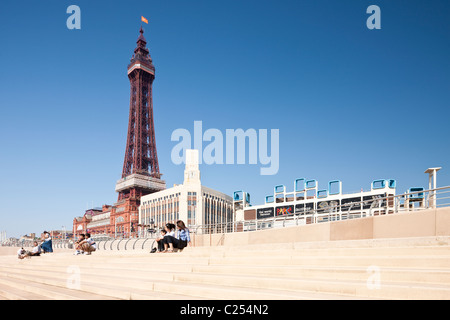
point(169, 231)
point(170, 227)
point(181, 241)
point(36, 251)
point(160, 243)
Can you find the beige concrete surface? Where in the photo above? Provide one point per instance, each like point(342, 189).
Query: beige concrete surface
point(12, 251)
point(408, 268)
point(403, 256)
point(425, 223)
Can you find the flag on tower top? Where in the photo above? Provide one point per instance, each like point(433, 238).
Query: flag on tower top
point(144, 20)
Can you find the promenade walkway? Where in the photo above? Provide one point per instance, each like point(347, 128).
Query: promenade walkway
point(409, 268)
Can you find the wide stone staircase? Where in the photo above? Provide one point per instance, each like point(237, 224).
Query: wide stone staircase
point(413, 268)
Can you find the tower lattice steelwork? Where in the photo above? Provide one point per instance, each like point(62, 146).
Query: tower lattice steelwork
point(140, 174)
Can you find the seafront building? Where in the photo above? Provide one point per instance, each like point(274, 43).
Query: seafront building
point(191, 202)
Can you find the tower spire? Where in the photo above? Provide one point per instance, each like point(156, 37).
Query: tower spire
point(141, 36)
point(141, 53)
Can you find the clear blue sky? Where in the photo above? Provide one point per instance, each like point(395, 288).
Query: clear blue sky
point(351, 103)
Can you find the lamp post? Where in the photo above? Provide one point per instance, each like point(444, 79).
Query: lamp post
point(152, 227)
point(432, 184)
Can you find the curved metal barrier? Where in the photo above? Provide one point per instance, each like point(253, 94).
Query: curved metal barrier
point(136, 242)
point(110, 247)
point(129, 241)
point(150, 245)
point(120, 244)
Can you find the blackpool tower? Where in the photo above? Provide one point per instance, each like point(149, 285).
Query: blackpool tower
point(140, 174)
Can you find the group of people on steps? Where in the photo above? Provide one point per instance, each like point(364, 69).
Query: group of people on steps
point(173, 237)
point(44, 247)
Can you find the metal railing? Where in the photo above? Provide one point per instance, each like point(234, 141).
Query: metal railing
point(407, 202)
point(17, 243)
point(113, 244)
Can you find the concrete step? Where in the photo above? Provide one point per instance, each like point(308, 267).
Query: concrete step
point(441, 262)
point(431, 276)
point(385, 290)
point(127, 289)
point(399, 251)
point(362, 243)
point(166, 272)
point(10, 290)
point(94, 281)
point(141, 259)
point(297, 247)
point(225, 292)
point(406, 269)
point(136, 271)
point(437, 241)
point(42, 291)
point(119, 283)
point(94, 275)
point(199, 253)
point(288, 258)
point(98, 277)
point(109, 286)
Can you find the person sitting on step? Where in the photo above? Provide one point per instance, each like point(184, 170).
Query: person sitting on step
point(36, 251)
point(170, 229)
point(77, 244)
point(88, 245)
point(179, 242)
point(160, 241)
point(46, 246)
point(21, 253)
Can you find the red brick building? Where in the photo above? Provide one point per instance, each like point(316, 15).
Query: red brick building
point(119, 220)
